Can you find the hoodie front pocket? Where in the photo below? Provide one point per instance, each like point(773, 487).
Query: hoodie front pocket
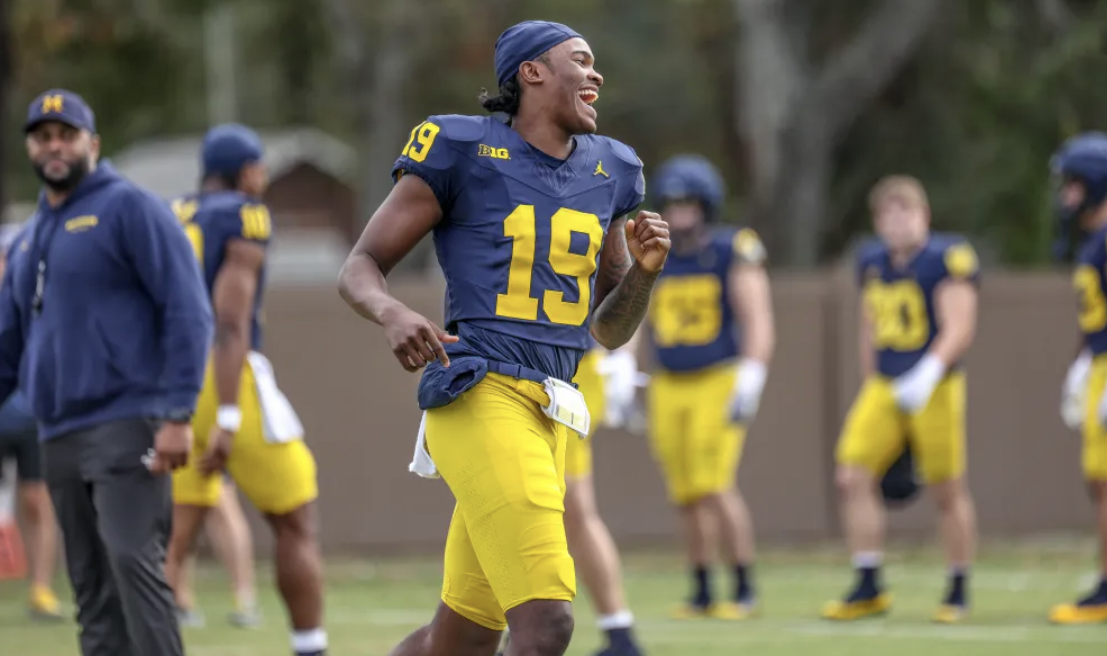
point(75, 374)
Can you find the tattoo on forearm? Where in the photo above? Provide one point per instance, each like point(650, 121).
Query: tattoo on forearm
point(622, 311)
point(615, 262)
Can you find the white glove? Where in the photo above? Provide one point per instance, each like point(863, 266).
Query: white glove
point(621, 382)
point(913, 388)
point(746, 397)
point(1074, 391)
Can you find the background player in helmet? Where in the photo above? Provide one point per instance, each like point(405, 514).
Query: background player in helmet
point(244, 425)
point(1081, 168)
point(532, 228)
point(711, 327)
point(918, 317)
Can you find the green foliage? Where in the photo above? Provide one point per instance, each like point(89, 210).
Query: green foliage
point(976, 114)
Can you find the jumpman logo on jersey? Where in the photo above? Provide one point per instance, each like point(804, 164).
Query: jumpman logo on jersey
point(599, 170)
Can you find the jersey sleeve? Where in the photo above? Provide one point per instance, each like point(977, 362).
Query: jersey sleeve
point(252, 223)
point(959, 262)
point(634, 194)
point(746, 248)
point(429, 155)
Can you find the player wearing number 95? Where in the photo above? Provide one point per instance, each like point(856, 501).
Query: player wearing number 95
point(244, 425)
point(918, 318)
point(708, 384)
point(530, 226)
point(1081, 168)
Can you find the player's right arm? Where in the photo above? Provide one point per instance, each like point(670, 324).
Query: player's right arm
point(412, 209)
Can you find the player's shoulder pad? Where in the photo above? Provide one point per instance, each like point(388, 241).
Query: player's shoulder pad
point(185, 207)
point(622, 163)
point(623, 160)
point(956, 255)
point(240, 215)
point(743, 243)
point(460, 127)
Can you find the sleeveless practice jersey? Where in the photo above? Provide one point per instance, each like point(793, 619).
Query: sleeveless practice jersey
point(213, 219)
point(900, 302)
point(691, 322)
point(1091, 291)
point(520, 236)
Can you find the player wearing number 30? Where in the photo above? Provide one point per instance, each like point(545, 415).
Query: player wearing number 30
point(530, 226)
point(1081, 168)
point(918, 318)
point(244, 425)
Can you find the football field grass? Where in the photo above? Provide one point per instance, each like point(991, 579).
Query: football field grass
point(371, 604)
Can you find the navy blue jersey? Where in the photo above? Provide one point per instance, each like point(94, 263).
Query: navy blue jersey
point(520, 236)
point(900, 301)
point(691, 323)
point(1091, 289)
point(211, 220)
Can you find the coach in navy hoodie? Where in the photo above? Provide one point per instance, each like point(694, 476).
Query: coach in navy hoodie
point(106, 326)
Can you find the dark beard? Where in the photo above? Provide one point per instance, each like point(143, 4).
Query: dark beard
point(77, 171)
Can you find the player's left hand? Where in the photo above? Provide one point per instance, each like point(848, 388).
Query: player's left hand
point(648, 240)
point(914, 388)
point(1073, 392)
point(621, 382)
point(746, 397)
point(215, 457)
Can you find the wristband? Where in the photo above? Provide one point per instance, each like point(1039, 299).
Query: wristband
point(229, 418)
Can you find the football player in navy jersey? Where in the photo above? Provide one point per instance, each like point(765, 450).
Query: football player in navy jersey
point(711, 329)
point(918, 317)
point(244, 424)
point(532, 225)
point(1081, 167)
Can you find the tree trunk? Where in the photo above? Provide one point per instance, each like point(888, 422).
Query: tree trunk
point(375, 83)
point(7, 69)
point(792, 118)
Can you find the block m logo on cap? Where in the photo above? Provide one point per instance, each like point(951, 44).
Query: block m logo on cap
point(54, 104)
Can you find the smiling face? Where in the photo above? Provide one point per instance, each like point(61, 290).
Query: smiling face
point(565, 84)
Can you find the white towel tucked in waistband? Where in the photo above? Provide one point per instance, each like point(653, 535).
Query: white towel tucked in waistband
point(279, 420)
point(421, 463)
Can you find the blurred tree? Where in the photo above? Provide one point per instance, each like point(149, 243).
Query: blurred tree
point(793, 114)
point(803, 104)
point(6, 70)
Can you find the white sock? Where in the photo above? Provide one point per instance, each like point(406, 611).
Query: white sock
point(867, 559)
point(309, 641)
point(621, 620)
point(244, 600)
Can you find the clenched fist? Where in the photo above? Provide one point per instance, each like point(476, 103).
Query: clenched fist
point(648, 240)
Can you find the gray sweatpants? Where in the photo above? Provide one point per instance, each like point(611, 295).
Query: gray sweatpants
point(115, 518)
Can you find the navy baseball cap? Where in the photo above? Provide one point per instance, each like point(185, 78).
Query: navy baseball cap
point(62, 106)
point(228, 148)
